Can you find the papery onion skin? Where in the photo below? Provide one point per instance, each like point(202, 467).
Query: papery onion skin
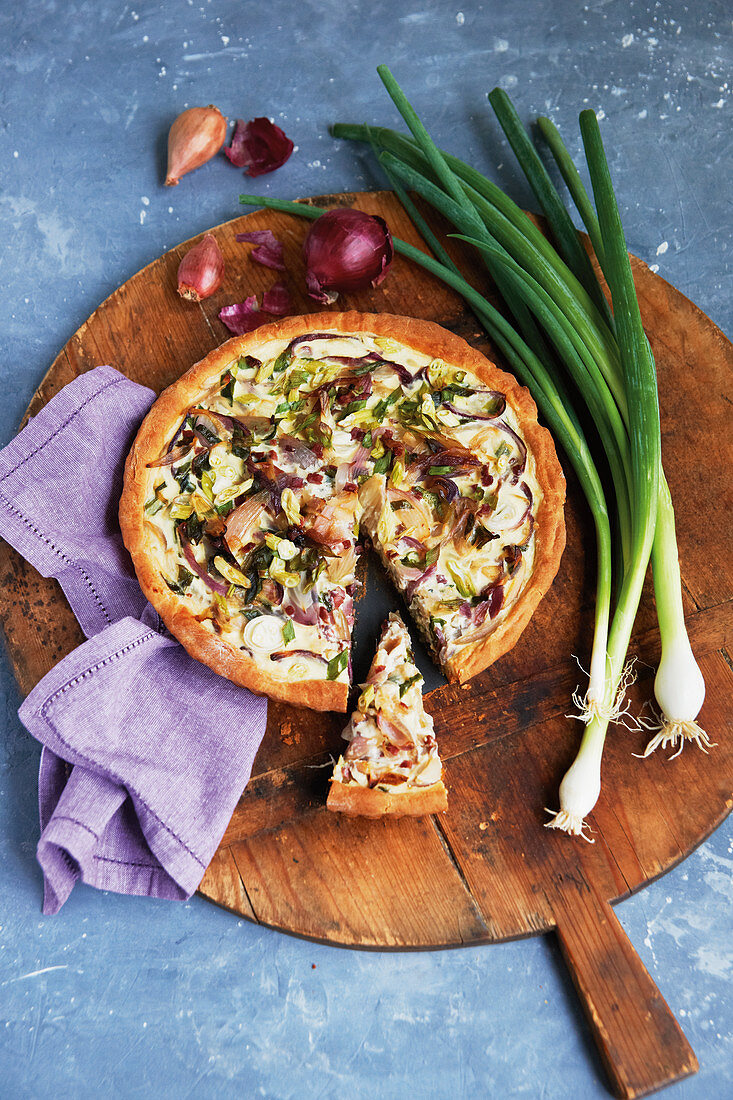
point(243, 317)
point(277, 300)
point(201, 271)
point(194, 138)
point(269, 250)
point(346, 250)
point(258, 146)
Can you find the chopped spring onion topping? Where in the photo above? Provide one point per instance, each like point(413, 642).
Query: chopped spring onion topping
point(337, 665)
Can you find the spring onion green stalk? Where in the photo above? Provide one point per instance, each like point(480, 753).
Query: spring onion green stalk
point(679, 686)
point(580, 788)
point(574, 185)
point(537, 176)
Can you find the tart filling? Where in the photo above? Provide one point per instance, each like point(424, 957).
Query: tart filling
point(392, 746)
point(255, 493)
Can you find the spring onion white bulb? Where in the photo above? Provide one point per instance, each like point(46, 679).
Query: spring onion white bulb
point(581, 785)
point(679, 686)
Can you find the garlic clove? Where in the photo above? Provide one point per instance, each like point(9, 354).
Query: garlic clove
point(194, 138)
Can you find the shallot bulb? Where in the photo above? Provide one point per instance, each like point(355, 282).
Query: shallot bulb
point(346, 250)
point(195, 137)
point(201, 270)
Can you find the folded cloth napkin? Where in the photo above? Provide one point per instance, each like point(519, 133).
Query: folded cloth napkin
point(146, 751)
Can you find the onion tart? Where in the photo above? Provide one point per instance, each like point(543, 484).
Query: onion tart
point(254, 478)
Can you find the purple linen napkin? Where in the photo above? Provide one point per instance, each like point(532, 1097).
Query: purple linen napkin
point(139, 719)
point(60, 485)
point(146, 751)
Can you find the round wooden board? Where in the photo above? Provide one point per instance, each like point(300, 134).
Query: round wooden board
point(486, 870)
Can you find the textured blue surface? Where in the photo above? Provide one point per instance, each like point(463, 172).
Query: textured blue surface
point(136, 998)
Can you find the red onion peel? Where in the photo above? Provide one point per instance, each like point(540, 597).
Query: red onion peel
point(277, 300)
point(242, 317)
point(269, 251)
point(258, 146)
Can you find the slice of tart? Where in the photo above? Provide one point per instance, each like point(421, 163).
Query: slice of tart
point(254, 476)
point(391, 765)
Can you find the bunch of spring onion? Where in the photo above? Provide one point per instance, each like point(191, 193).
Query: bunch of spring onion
point(562, 325)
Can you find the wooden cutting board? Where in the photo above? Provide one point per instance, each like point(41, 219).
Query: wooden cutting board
point(487, 870)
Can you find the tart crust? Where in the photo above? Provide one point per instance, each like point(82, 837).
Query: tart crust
point(424, 336)
point(349, 798)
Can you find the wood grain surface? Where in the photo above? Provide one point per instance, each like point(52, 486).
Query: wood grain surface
point(486, 870)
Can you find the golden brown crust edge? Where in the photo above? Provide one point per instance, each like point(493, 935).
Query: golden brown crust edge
point(425, 336)
point(356, 801)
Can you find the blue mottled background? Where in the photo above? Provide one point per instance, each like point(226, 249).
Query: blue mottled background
point(127, 997)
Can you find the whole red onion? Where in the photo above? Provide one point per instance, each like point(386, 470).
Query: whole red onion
point(346, 250)
point(201, 270)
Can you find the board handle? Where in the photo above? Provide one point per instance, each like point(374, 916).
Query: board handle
point(642, 1046)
